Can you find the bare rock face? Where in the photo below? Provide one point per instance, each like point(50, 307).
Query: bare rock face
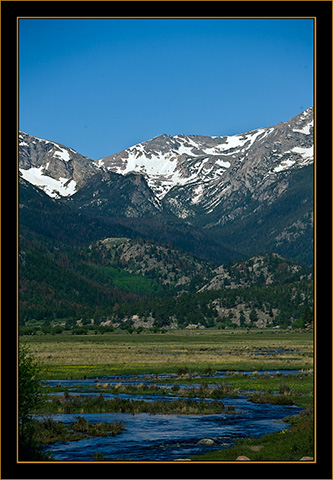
point(109, 194)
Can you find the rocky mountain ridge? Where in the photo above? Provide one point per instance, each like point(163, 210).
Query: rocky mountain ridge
point(191, 172)
point(165, 263)
point(201, 163)
point(246, 193)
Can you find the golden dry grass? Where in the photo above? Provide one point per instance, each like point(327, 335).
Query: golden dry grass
point(165, 352)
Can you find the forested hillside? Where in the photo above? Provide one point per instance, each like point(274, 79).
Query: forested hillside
point(136, 284)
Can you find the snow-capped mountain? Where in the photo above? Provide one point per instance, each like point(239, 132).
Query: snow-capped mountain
point(167, 161)
point(251, 192)
point(57, 170)
point(193, 170)
point(206, 165)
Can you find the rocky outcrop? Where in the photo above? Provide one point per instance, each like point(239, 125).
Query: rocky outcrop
point(259, 270)
point(109, 194)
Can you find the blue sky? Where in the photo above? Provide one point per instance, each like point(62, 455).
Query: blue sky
point(102, 85)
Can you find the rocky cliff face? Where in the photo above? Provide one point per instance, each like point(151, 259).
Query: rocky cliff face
point(111, 195)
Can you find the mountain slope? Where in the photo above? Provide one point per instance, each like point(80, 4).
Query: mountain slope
point(253, 191)
point(283, 225)
point(49, 220)
point(108, 194)
point(53, 220)
point(87, 282)
point(164, 263)
point(258, 271)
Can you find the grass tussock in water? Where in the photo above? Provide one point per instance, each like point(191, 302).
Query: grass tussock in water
point(72, 404)
point(198, 391)
point(272, 399)
point(49, 431)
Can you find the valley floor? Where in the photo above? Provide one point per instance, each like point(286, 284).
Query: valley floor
point(70, 356)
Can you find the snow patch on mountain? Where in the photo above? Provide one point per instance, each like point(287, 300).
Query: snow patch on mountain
point(52, 187)
point(284, 165)
point(62, 154)
point(57, 170)
point(306, 153)
point(306, 128)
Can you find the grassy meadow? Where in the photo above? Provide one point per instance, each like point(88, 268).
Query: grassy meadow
point(67, 356)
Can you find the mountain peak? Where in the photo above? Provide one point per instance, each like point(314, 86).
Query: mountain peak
point(57, 170)
point(172, 162)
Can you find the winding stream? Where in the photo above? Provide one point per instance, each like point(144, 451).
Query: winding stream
point(168, 437)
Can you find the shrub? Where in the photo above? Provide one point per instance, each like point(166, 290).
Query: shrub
point(30, 399)
point(183, 371)
point(98, 456)
point(284, 389)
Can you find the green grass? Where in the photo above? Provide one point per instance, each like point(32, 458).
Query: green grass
point(125, 281)
point(301, 383)
point(94, 356)
point(66, 356)
point(280, 389)
point(69, 356)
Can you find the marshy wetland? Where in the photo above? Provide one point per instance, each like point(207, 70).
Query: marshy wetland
point(198, 395)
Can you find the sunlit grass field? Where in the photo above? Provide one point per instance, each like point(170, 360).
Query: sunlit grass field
point(68, 356)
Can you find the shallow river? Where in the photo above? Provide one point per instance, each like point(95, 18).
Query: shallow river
point(169, 437)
